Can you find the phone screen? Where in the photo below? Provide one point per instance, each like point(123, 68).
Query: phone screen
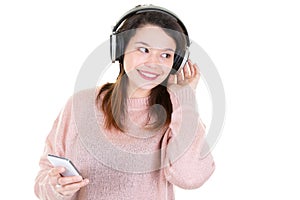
point(58, 161)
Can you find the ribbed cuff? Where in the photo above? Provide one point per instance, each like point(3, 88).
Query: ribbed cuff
point(183, 95)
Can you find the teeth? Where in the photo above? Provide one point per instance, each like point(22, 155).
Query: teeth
point(148, 75)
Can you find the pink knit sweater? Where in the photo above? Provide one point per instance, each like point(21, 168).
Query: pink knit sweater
point(137, 164)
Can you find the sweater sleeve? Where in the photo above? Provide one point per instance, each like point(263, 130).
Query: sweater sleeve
point(55, 144)
point(183, 142)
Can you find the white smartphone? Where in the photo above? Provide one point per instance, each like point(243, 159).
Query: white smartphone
point(58, 161)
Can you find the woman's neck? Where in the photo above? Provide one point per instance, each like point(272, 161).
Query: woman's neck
point(135, 92)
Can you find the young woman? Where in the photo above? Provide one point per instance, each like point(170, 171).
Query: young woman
point(149, 116)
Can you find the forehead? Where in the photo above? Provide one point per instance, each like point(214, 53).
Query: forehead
point(154, 36)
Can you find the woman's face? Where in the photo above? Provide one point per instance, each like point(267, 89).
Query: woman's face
point(148, 59)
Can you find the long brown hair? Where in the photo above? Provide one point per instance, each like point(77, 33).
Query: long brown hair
point(114, 102)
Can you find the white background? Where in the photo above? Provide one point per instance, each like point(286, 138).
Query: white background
point(254, 44)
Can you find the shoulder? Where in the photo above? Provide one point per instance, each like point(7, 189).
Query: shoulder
point(86, 93)
point(88, 97)
point(80, 99)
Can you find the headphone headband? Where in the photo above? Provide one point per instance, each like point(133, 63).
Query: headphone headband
point(146, 8)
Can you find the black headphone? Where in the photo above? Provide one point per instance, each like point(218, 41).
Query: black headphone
point(116, 41)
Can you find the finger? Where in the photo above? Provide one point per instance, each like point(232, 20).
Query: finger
point(186, 70)
point(54, 174)
point(68, 192)
point(172, 79)
point(180, 76)
point(196, 70)
point(70, 189)
point(68, 180)
point(56, 171)
point(192, 68)
point(76, 186)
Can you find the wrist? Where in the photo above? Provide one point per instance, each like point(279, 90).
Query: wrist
point(182, 95)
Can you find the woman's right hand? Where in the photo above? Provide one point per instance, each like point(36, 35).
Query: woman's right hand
point(66, 186)
point(187, 77)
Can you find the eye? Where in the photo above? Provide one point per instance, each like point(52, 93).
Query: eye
point(143, 49)
point(166, 55)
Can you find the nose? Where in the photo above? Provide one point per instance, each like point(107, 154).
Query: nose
point(154, 57)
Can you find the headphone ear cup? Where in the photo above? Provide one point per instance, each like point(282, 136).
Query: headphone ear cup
point(176, 63)
point(116, 47)
point(180, 61)
point(112, 47)
point(119, 47)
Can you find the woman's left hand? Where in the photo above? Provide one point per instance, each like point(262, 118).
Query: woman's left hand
point(188, 76)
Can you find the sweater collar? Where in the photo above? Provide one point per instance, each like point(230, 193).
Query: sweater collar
point(142, 102)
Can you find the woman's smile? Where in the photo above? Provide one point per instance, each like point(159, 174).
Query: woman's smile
point(148, 75)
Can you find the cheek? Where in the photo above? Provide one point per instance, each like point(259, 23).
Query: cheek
point(168, 67)
point(128, 63)
point(131, 62)
point(167, 72)
point(168, 64)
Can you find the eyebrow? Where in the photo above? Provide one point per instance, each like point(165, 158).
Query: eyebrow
point(144, 43)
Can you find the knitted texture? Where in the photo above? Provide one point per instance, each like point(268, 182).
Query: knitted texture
point(135, 164)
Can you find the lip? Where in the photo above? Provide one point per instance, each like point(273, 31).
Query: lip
point(150, 76)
